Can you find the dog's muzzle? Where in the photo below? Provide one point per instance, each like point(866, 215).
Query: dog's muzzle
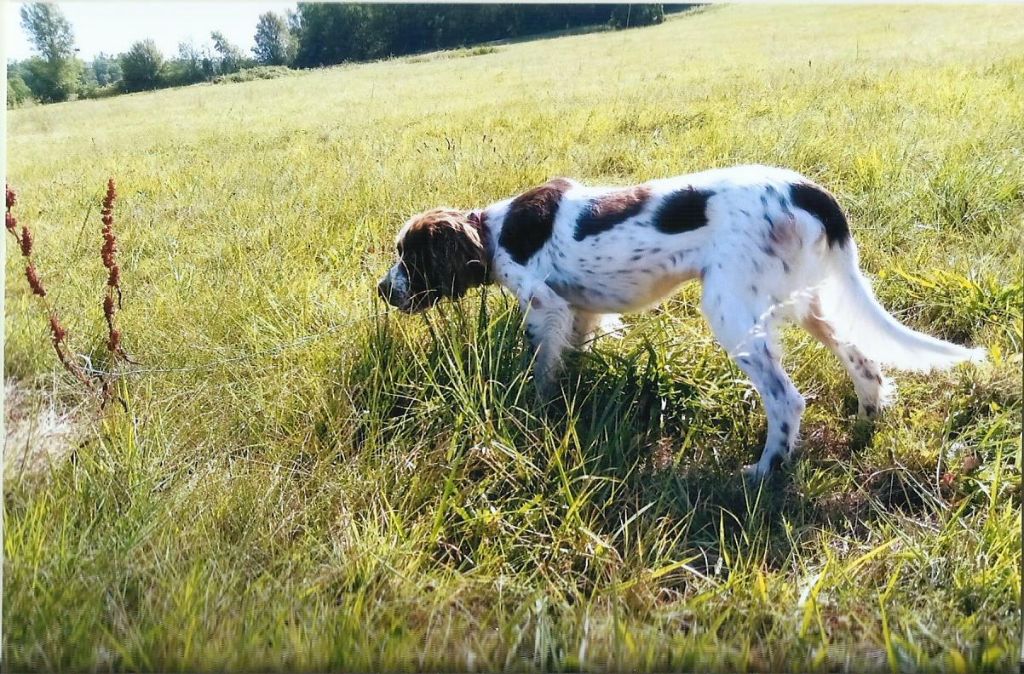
point(386, 290)
point(393, 288)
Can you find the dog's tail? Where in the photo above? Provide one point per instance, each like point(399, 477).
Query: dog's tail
point(850, 307)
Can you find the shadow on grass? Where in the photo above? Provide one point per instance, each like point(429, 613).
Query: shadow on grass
point(646, 438)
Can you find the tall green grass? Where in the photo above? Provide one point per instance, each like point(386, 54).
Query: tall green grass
point(301, 480)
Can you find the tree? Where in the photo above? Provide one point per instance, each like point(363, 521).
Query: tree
point(189, 67)
point(231, 57)
point(106, 69)
point(274, 43)
point(57, 72)
point(18, 92)
point(49, 30)
point(331, 33)
point(140, 66)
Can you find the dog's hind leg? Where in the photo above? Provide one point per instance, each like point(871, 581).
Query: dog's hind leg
point(745, 327)
point(874, 390)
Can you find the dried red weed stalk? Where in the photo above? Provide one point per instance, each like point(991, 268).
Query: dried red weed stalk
point(108, 252)
point(58, 333)
point(10, 221)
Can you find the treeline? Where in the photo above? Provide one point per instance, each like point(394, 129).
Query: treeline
point(313, 35)
point(327, 34)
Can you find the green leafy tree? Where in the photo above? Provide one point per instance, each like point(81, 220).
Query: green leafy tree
point(141, 66)
point(230, 57)
point(57, 73)
point(188, 67)
point(335, 32)
point(106, 69)
point(275, 45)
point(18, 92)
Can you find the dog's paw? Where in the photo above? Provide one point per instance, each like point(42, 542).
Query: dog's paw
point(868, 413)
point(754, 475)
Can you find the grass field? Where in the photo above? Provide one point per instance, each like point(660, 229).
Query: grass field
point(300, 481)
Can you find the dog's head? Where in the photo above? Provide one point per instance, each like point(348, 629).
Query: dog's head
point(441, 253)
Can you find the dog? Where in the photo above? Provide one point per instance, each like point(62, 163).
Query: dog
point(768, 244)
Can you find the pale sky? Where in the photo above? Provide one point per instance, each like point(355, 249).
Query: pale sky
point(112, 26)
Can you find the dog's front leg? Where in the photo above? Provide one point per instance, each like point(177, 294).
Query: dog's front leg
point(549, 324)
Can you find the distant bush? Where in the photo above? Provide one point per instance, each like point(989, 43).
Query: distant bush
point(102, 92)
point(140, 66)
point(257, 73)
point(452, 54)
point(18, 93)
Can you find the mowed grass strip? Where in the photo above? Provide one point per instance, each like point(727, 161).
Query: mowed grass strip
point(388, 495)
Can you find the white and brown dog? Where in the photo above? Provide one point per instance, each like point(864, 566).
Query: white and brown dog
point(767, 243)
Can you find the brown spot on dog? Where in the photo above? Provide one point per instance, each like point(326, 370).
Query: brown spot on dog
point(531, 218)
point(444, 255)
point(605, 212)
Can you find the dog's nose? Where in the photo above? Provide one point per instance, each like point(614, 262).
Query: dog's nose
point(384, 289)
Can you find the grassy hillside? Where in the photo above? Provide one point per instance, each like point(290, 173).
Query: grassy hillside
point(300, 480)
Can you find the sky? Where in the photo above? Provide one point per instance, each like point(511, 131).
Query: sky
point(111, 27)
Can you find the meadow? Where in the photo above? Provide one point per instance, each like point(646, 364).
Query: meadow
point(295, 479)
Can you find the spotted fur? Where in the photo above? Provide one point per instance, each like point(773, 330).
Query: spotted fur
point(767, 244)
point(530, 219)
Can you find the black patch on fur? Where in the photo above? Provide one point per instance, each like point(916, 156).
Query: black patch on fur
point(683, 211)
point(785, 428)
point(776, 463)
point(822, 205)
point(530, 219)
point(603, 213)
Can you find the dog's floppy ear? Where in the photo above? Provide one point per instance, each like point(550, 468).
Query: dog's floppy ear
point(460, 261)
